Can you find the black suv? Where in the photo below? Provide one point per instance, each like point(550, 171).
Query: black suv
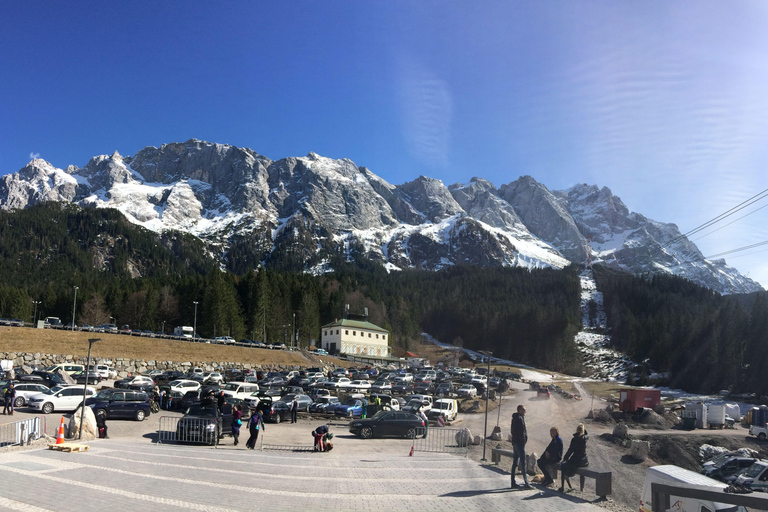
point(120, 404)
point(204, 423)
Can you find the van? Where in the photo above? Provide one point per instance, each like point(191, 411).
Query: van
point(755, 476)
point(67, 367)
point(240, 390)
point(671, 475)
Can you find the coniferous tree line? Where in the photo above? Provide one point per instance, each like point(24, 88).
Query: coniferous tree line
point(705, 341)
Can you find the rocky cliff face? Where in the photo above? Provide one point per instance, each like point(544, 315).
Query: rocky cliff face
point(304, 212)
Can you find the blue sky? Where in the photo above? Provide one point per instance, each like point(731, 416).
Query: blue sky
point(665, 103)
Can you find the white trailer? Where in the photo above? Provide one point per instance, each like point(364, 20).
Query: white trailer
point(184, 330)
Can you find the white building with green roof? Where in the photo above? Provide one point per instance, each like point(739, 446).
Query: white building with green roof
point(355, 337)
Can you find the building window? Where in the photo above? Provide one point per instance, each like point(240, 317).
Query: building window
point(377, 336)
point(346, 332)
point(337, 332)
point(384, 336)
point(354, 333)
point(369, 335)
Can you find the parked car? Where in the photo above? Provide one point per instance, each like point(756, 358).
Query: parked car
point(183, 386)
point(360, 386)
point(387, 423)
point(381, 386)
point(138, 380)
point(48, 379)
point(755, 476)
point(401, 388)
point(304, 401)
point(726, 465)
point(351, 407)
point(105, 371)
point(120, 404)
point(26, 390)
point(322, 403)
point(203, 423)
point(387, 401)
point(543, 393)
point(213, 378)
point(467, 390)
point(278, 411)
point(448, 408)
point(60, 398)
point(242, 390)
point(93, 377)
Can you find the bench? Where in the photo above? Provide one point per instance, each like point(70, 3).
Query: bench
point(498, 453)
point(602, 480)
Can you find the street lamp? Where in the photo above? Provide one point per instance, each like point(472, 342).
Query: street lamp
point(34, 318)
point(85, 386)
point(488, 355)
point(74, 307)
point(194, 326)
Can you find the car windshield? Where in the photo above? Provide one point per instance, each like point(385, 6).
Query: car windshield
point(201, 410)
point(754, 470)
point(442, 405)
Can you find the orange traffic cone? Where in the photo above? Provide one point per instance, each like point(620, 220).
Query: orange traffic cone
point(60, 437)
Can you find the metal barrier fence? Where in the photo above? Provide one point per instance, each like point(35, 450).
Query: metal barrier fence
point(439, 440)
point(22, 432)
point(172, 429)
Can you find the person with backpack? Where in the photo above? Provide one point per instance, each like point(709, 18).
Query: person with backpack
point(255, 423)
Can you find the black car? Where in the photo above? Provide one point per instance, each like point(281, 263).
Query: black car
point(93, 377)
point(203, 423)
point(726, 466)
point(120, 404)
point(402, 388)
point(49, 379)
point(277, 412)
point(388, 423)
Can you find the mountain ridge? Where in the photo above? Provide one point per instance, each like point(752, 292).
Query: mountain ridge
point(252, 211)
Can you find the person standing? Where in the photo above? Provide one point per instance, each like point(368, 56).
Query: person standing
point(237, 421)
point(420, 414)
point(220, 401)
point(575, 457)
point(519, 439)
point(294, 409)
point(9, 395)
point(255, 423)
point(551, 456)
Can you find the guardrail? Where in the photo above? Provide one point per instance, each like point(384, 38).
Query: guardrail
point(172, 429)
point(439, 440)
point(23, 431)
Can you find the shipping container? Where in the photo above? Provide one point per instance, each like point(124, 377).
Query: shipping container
point(632, 399)
point(716, 416)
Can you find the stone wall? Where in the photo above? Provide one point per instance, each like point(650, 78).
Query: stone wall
point(125, 367)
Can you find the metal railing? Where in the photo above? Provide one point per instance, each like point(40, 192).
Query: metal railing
point(172, 429)
point(661, 494)
point(439, 440)
point(23, 431)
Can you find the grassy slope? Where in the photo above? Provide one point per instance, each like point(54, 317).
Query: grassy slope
point(111, 346)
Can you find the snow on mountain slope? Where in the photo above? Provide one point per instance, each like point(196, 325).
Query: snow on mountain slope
point(235, 198)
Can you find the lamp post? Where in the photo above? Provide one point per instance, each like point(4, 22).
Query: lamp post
point(194, 326)
point(74, 307)
point(488, 355)
point(85, 386)
point(163, 329)
point(34, 318)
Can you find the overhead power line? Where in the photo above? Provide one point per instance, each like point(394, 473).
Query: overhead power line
point(757, 197)
point(746, 247)
point(735, 220)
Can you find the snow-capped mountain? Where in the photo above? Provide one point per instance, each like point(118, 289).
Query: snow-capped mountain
point(252, 210)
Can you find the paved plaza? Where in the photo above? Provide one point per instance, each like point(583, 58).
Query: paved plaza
point(139, 475)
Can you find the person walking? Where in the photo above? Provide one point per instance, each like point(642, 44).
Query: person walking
point(575, 457)
point(9, 394)
point(519, 439)
point(294, 409)
point(220, 401)
point(237, 421)
point(420, 414)
point(551, 456)
point(255, 423)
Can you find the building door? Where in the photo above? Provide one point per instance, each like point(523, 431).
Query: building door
point(332, 348)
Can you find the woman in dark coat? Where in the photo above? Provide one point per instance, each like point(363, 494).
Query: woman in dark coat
point(237, 416)
point(255, 424)
point(575, 457)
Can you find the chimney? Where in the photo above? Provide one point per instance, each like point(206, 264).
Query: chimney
point(346, 311)
point(365, 312)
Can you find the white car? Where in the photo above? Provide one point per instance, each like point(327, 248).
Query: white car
point(342, 383)
point(479, 379)
point(182, 386)
point(359, 385)
point(213, 378)
point(467, 390)
point(25, 391)
point(60, 398)
point(242, 390)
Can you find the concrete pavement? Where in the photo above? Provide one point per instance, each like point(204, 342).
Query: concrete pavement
point(138, 475)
